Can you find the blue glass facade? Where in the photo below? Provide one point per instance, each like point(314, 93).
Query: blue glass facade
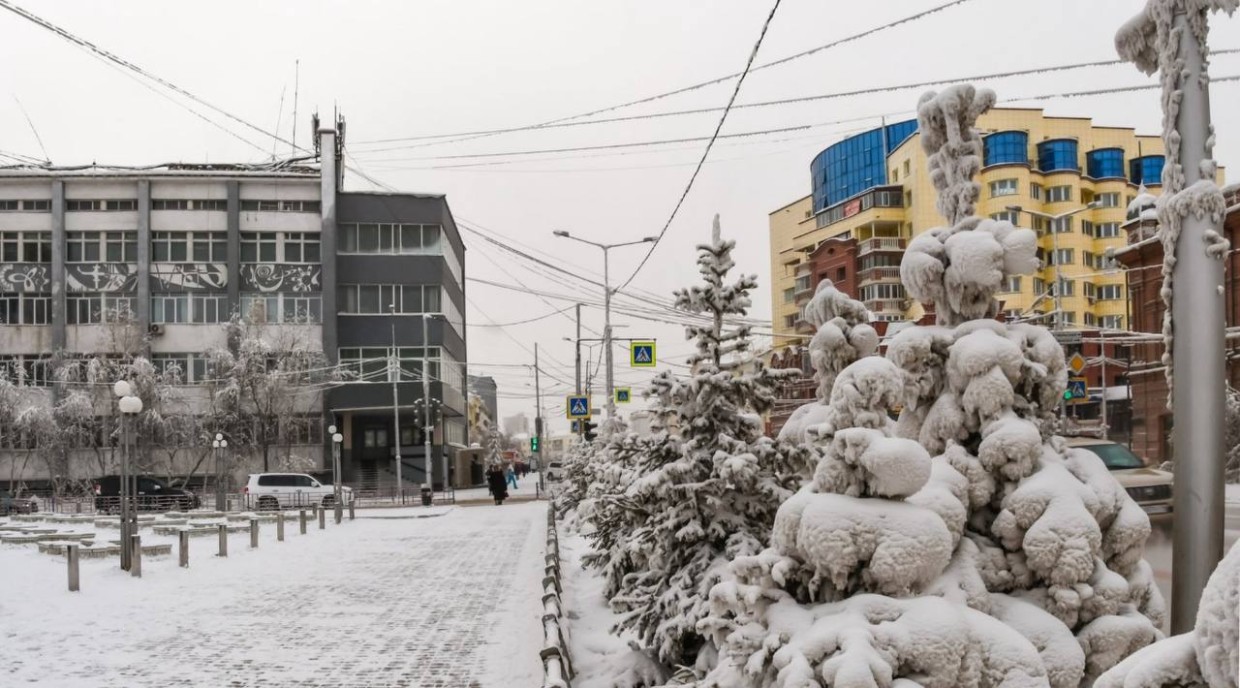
point(1105, 163)
point(1146, 170)
point(1006, 148)
point(855, 164)
point(1057, 155)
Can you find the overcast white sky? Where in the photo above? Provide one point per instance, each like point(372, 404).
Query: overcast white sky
point(399, 69)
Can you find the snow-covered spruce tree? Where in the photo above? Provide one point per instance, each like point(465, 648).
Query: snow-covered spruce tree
point(707, 485)
point(963, 545)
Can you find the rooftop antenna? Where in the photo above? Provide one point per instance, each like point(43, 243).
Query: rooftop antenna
point(29, 121)
point(275, 137)
point(296, 90)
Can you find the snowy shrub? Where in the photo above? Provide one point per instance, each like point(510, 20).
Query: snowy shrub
point(962, 544)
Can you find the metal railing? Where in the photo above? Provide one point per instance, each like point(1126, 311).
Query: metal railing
point(557, 667)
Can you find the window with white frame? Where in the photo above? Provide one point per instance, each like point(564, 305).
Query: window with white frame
point(1107, 200)
point(208, 308)
point(1089, 290)
point(1111, 322)
point(790, 321)
point(390, 238)
point(1058, 194)
point(377, 298)
point(25, 206)
point(94, 247)
point(371, 364)
point(1012, 284)
point(789, 295)
point(259, 247)
point(93, 308)
point(871, 292)
point(1066, 286)
point(1004, 187)
point(1066, 317)
point(189, 204)
point(1090, 320)
point(25, 309)
point(1106, 230)
point(183, 368)
point(209, 247)
point(1062, 256)
point(25, 247)
point(1006, 216)
point(280, 206)
point(301, 247)
point(1061, 225)
point(170, 308)
point(1110, 292)
point(275, 307)
point(1035, 191)
point(27, 370)
point(101, 205)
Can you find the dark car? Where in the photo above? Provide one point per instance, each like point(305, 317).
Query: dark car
point(152, 495)
point(16, 505)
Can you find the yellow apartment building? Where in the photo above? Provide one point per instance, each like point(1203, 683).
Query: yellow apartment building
point(1068, 179)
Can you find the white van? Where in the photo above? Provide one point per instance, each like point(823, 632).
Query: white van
point(276, 490)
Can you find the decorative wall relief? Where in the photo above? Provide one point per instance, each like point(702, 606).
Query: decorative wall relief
point(25, 277)
point(102, 277)
point(175, 277)
point(275, 277)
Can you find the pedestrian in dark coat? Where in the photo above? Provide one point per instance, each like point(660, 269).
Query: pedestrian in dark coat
point(497, 483)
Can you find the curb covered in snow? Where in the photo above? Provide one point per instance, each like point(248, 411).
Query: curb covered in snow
point(557, 667)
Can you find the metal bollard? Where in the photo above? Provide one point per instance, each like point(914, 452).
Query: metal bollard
point(303, 521)
point(183, 548)
point(339, 508)
point(351, 514)
point(78, 508)
point(280, 526)
point(71, 553)
point(254, 533)
point(223, 540)
point(135, 565)
point(322, 517)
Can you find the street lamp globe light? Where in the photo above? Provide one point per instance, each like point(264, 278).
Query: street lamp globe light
point(219, 436)
point(223, 444)
point(122, 389)
point(337, 438)
point(130, 404)
point(331, 429)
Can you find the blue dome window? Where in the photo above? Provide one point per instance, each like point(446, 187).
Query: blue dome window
point(855, 164)
point(1105, 163)
point(1058, 155)
point(1006, 148)
point(1146, 170)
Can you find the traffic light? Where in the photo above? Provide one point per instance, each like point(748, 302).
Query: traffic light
point(534, 444)
point(589, 430)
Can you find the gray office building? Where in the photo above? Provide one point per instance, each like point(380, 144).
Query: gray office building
point(183, 247)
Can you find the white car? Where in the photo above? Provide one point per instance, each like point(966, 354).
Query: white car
point(555, 470)
point(276, 490)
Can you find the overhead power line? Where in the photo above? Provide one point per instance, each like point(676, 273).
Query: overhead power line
point(718, 80)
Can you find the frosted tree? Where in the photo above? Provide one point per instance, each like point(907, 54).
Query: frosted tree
point(707, 484)
point(964, 544)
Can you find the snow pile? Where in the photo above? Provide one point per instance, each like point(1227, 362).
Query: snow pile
point(1208, 655)
point(673, 508)
point(962, 544)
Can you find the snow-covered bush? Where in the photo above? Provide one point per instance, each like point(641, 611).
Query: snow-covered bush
point(963, 544)
point(704, 487)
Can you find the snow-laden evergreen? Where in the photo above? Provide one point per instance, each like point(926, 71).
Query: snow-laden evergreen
point(704, 487)
point(964, 544)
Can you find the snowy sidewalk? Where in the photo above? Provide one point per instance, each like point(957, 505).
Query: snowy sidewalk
point(449, 602)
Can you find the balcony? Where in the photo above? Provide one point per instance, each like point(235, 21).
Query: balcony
point(886, 306)
point(885, 273)
point(802, 326)
point(880, 244)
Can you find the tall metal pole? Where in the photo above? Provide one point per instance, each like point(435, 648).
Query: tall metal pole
point(394, 372)
point(126, 493)
point(1197, 314)
point(538, 421)
point(426, 395)
point(611, 400)
point(577, 346)
point(1106, 433)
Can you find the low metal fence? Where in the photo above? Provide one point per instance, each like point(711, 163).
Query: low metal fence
point(557, 666)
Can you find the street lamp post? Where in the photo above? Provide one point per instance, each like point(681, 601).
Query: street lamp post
point(218, 444)
point(1052, 222)
point(426, 394)
point(337, 492)
point(394, 373)
point(427, 424)
point(607, 292)
point(130, 406)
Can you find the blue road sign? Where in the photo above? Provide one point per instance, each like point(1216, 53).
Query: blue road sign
point(576, 425)
point(577, 406)
point(1077, 389)
point(624, 395)
point(642, 355)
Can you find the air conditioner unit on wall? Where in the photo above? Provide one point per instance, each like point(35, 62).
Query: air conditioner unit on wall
point(156, 329)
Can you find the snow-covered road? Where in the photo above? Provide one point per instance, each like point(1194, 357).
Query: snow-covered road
point(451, 601)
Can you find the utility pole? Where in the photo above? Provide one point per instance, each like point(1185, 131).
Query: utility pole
point(426, 395)
point(1197, 305)
point(577, 346)
point(394, 373)
point(538, 421)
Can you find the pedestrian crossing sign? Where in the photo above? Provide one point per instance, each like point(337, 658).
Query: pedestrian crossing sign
point(624, 395)
point(577, 406)
point(642, 355)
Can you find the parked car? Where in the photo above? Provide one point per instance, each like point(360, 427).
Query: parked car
point(275, 490)
point(16, 505)
point(555, 470)
point(1149, 487)
point(153, 494)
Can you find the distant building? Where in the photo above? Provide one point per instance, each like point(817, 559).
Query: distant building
point(517, 425)
point(487, 390)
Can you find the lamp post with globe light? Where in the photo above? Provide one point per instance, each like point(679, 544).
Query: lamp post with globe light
point(337, 501)
point(130, 406)
point(219, 444)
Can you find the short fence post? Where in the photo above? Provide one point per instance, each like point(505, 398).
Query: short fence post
point(71, 553)
point(322, 517)
point(135, 564)
point(339, 509)
point(303, 521)
point(254, 533)
point(78, 507)
point(223, 540)
point(351, 514)
point(280, 526)
point(183, 548)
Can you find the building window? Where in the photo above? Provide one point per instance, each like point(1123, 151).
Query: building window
point(301, 247)
point(1090, 290)
point(1111, 322)
point(25, 206)
point(1062, 225)
point(183, 368)
point(1006, 147)
point(208, 308)
point(872, 292)
point(1012, 285)
point(1057, 154)
point(840, 275)
point(1106, 230)
point(389, 238)
point(1110, 292)
point(371, 364)
point(1039, 286)
point(103, 205)
point(372, 299)
point(170, 247)
point(25, 309)
point(1107, 200)
point(280, 206)
point(907, 167)
point(93, 308)
point(1105, 163)
point(895, 175)
point(26, 247)
point(209, 247)
point(1065, 287)
point(1039, 224)
point(1035, 191)
point(1003, 187)
point(258, 247)
point(188, 204)
point(789, 295)
point(1062, 256)
point(790, 321)
point(1146, 170)
point(1090, 320)
point(94, 247)
point(1066, 317)
point(1006, 216)
point(278, 307)
point(170, 308)
point(1058, 194)
point(27, 370)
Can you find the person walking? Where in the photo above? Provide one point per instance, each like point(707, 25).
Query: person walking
point(512, 478)
point(497, 485)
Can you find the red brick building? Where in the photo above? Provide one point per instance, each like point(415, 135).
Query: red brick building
point(1142, 259)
